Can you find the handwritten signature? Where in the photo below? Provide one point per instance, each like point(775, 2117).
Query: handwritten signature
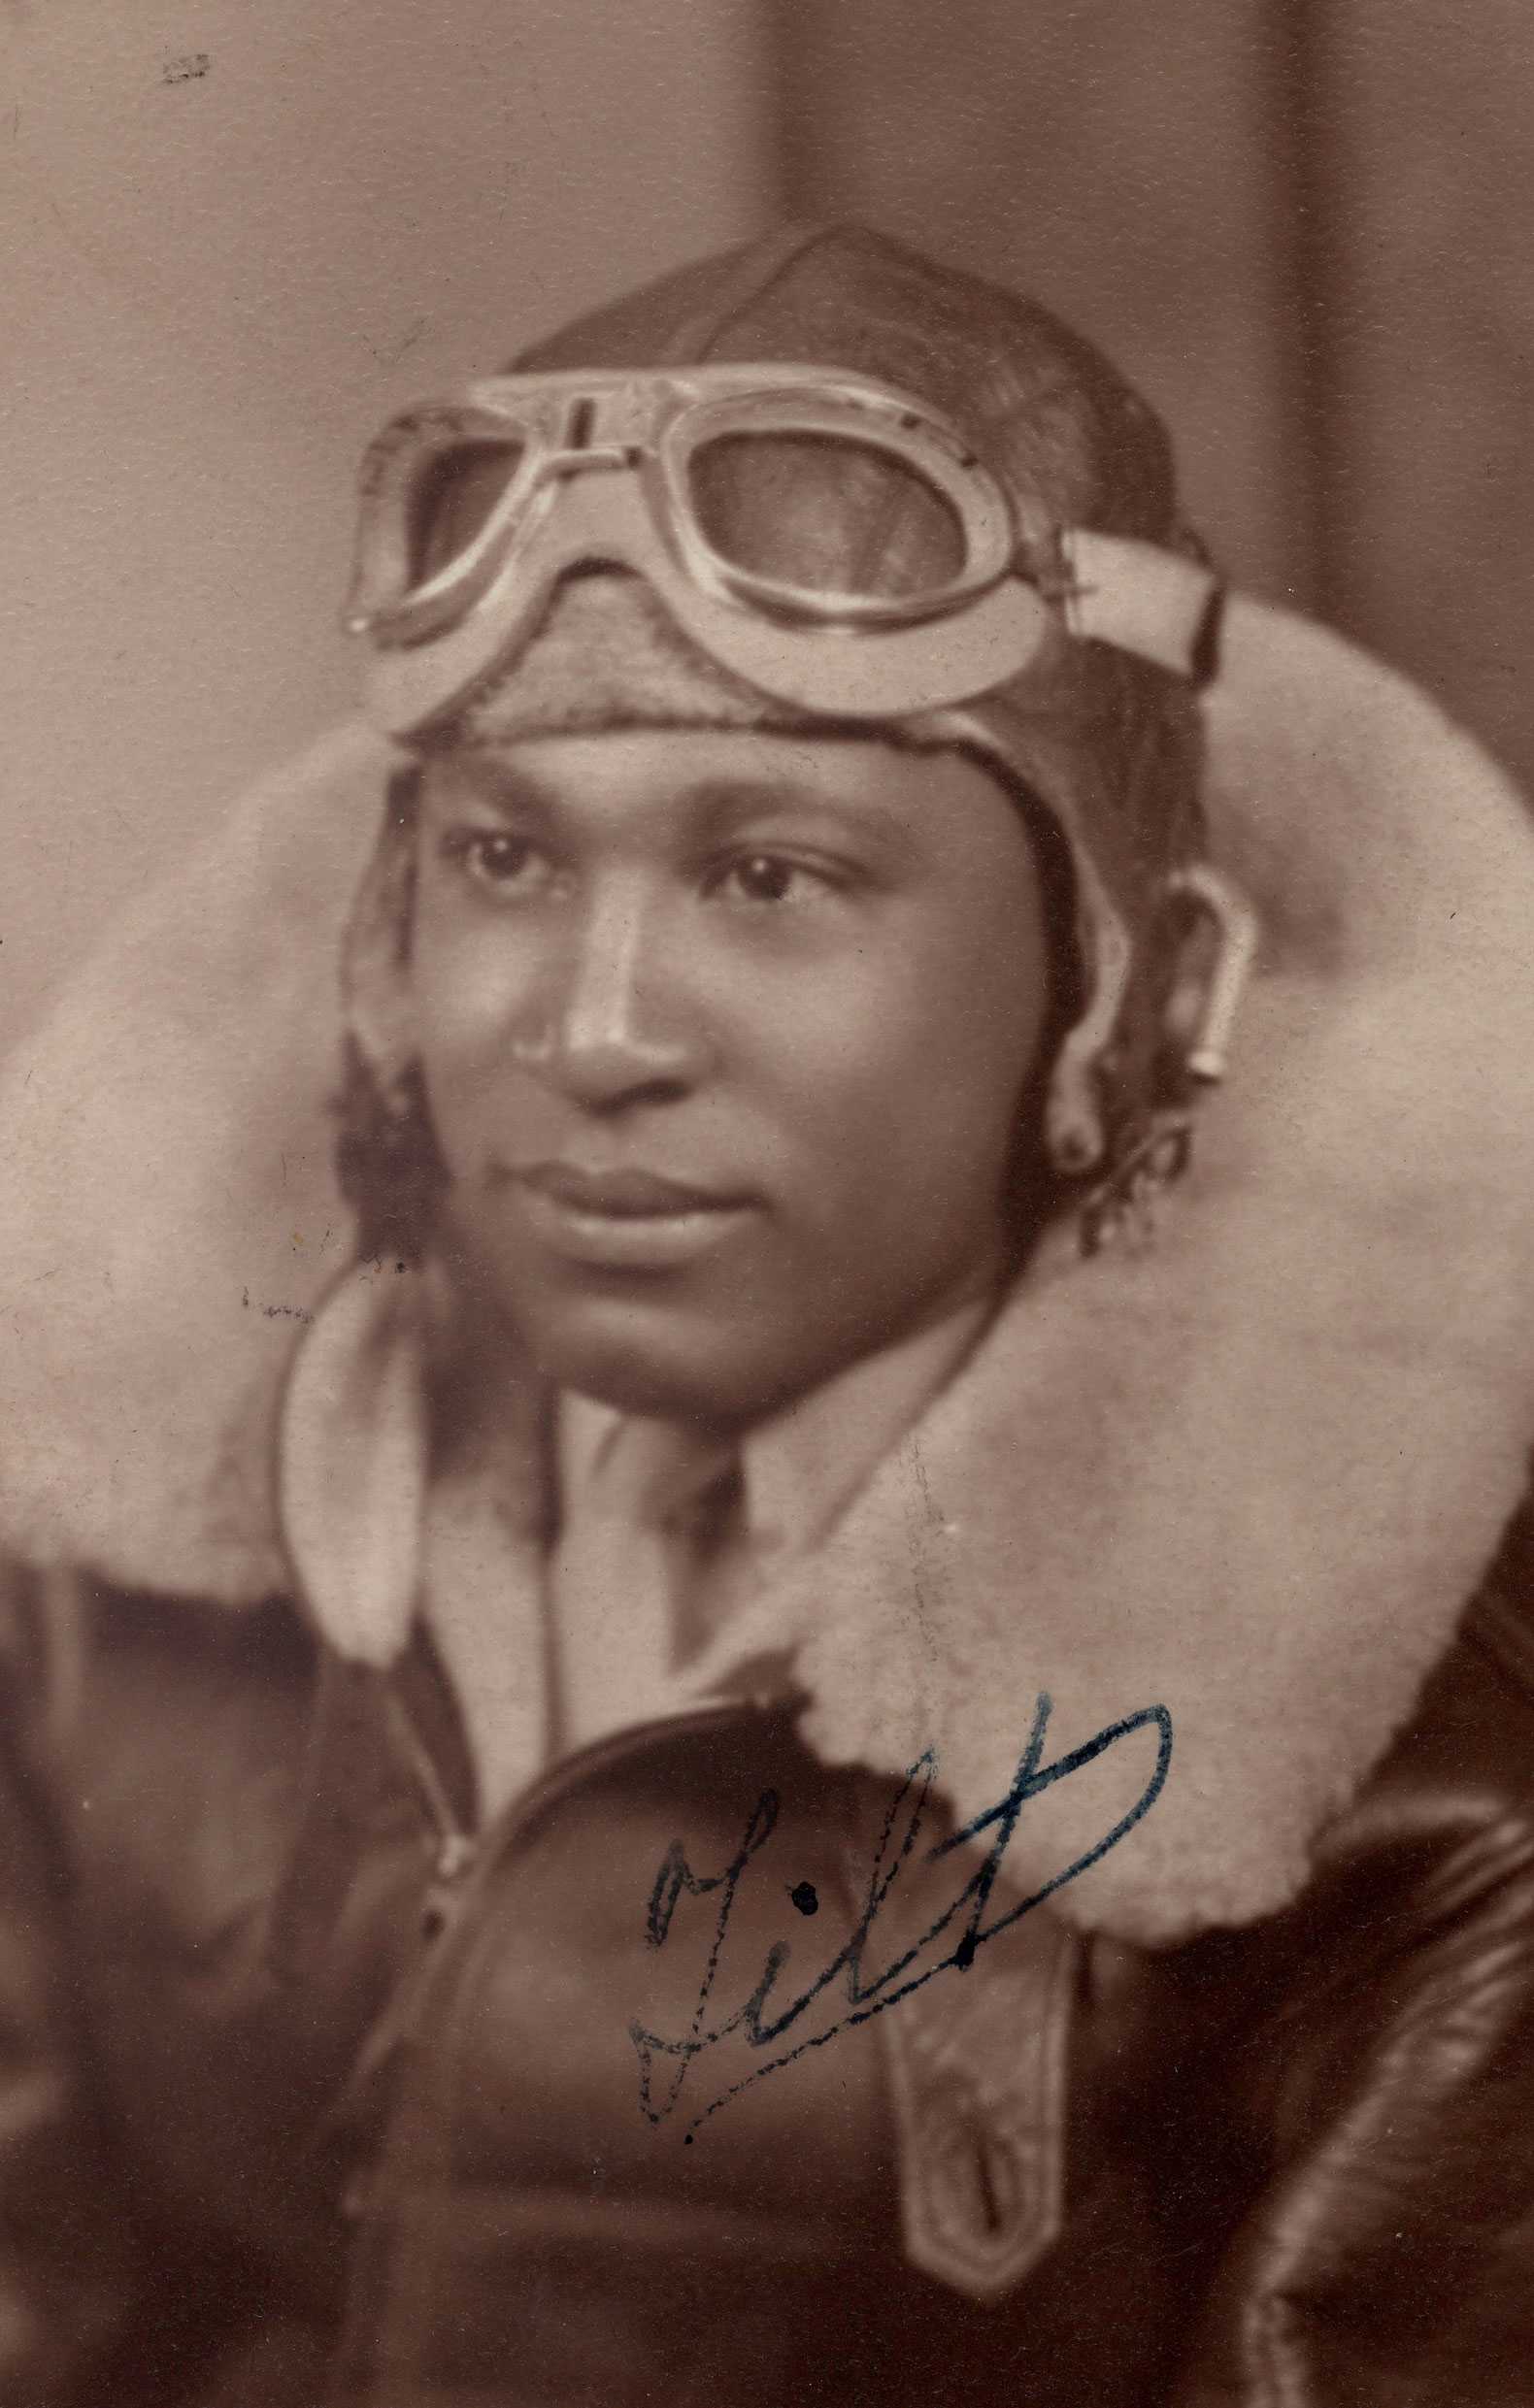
point(665, 2062)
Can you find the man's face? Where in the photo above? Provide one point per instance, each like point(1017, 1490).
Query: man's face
point(723, 1037)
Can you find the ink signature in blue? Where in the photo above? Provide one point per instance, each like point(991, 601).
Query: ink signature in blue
point(664, 2063)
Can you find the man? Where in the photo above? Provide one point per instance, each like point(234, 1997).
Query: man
point(848, 1769)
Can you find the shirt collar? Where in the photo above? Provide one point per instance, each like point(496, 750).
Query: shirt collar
point(802, 1464)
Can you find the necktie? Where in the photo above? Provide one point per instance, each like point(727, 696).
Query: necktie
point(617, 1572)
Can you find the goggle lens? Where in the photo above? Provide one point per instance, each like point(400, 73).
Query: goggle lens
point(450, 501)
point(822, 514)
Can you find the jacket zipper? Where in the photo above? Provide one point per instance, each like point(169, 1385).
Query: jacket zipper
point(459, 1854)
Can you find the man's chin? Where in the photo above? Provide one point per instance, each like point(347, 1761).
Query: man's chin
point(656, 1359)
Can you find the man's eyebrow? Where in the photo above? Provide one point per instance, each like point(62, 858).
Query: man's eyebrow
point(729, 799)
point(723, 805)
point(716, 804)
point(484, 780)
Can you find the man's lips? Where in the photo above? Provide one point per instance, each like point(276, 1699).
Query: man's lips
point(626, 1195)
point(623, 1222)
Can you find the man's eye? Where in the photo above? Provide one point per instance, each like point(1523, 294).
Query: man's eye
point(504, 863)
point(770, 877)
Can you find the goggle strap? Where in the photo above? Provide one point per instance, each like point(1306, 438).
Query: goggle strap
point(1141, 600)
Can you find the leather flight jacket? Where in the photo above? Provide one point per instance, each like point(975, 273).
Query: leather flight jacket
point(316, 2093)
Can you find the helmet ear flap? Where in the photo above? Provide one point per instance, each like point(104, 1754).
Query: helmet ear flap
point(388, 1159)
point(376, 951)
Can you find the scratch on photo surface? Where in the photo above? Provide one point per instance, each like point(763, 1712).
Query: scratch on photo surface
point(275, 1313)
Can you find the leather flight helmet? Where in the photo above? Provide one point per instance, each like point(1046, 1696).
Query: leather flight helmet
point(1102, 747)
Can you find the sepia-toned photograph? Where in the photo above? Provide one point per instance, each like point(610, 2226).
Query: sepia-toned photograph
point(767, 1204)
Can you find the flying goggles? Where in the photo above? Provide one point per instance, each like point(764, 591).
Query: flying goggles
point(473, 508)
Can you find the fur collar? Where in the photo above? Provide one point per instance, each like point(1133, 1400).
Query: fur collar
point(1251, 1474)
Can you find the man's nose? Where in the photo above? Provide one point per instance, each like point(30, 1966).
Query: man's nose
point(614, 1018)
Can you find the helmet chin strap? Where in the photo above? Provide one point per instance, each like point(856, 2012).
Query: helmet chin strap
point(1236, 935)
point(1072, 1116)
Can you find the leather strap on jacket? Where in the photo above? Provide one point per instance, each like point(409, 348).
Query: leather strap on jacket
point(977, 2063)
